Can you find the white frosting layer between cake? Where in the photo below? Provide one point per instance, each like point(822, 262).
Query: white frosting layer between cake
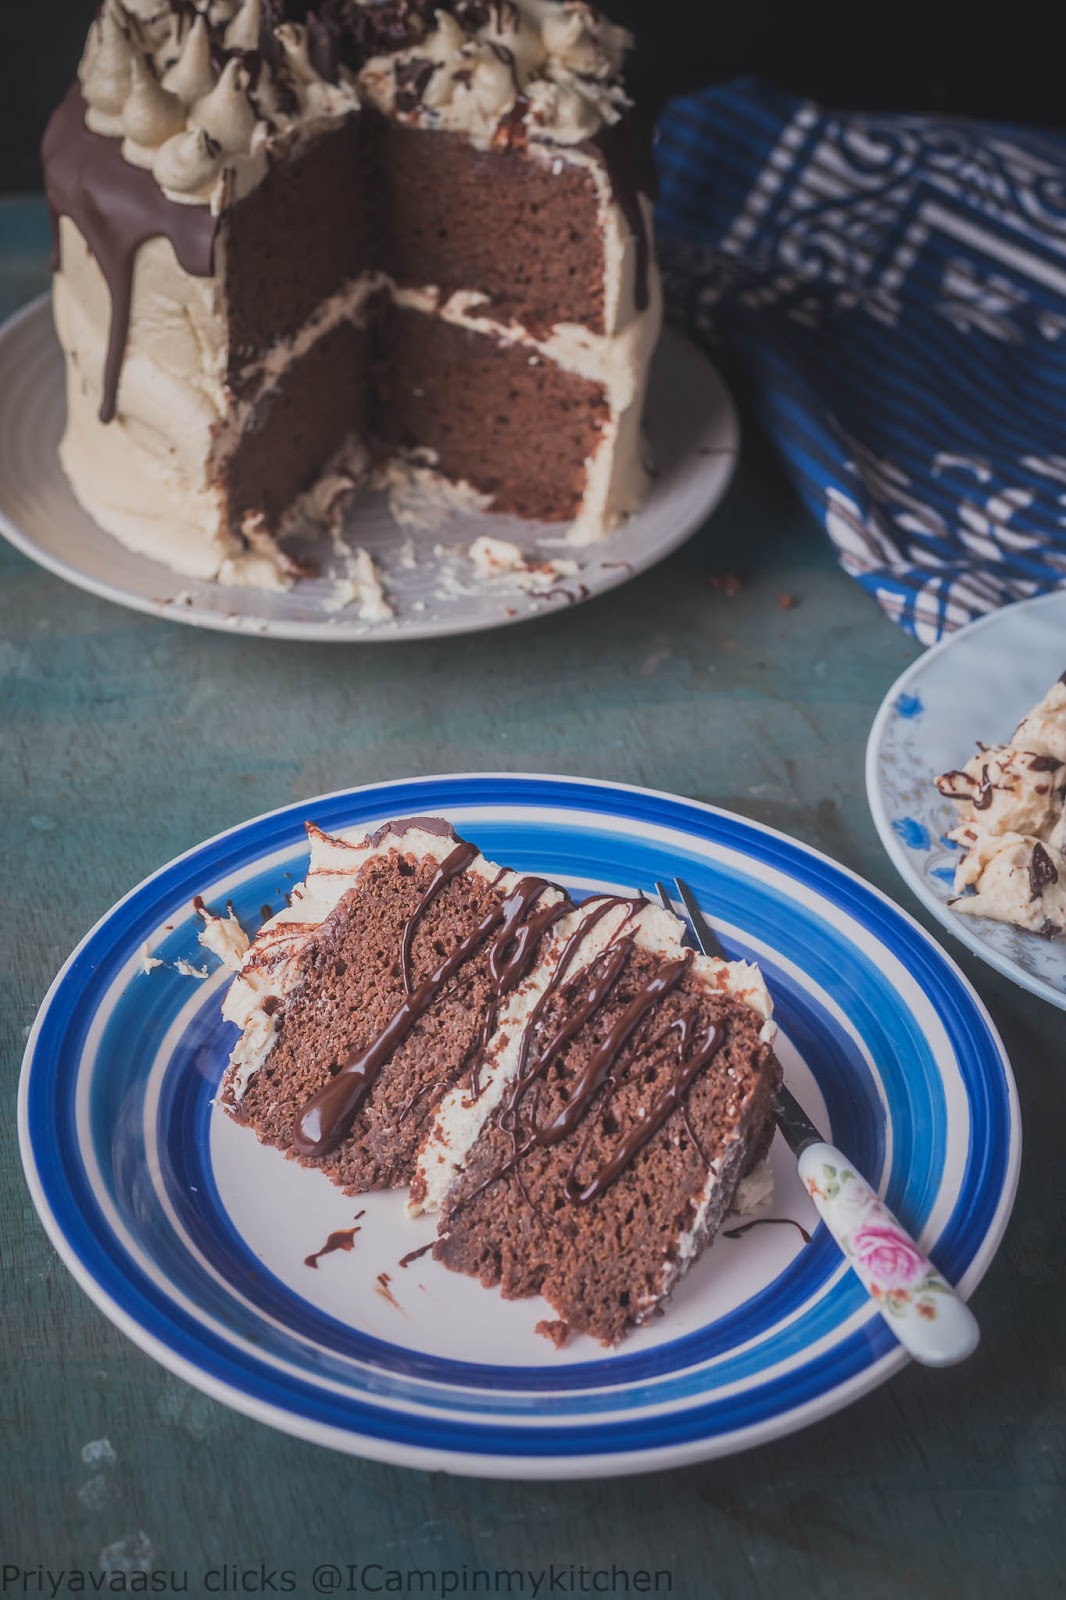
point(460, 1118)
point(270, 971)
point(149, 477)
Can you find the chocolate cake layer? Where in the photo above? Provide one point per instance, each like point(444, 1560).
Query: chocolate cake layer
point(299, 423)
point(595, 1220)
point(352, 989)
point(514, 426)
point(290, 244)
point(522, 230)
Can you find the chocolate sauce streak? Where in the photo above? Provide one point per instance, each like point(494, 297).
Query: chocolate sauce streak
point(603, 1059)
point(983, 798)
point(116, 208)
point(601, 976)
point(951, 777)
point(637, 1137)
point(343, 1239)
point(328, 1116)
point(411, 80)
point(416, 1255)
point(626, 150)
point(767, 1222)
point(511, 956)
point(1042, 872)
point(401, 825)
point(382, 1287)
point(1045, 764)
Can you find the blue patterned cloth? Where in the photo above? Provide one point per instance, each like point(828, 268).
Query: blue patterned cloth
point(895, 286)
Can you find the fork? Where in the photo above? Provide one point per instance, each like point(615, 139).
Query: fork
point(922, 1309)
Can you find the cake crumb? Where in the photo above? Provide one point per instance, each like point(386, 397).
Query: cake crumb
point(501, 562)
point(729, 583)
point(360, 585)
point(787, 602)
point(554, 1329)
point(148, 960)
point(187, 970)
point(420, 497)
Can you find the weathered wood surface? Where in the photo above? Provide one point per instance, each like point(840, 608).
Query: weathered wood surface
point(126, 740)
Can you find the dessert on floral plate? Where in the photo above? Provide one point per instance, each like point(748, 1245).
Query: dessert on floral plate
point(979, 837)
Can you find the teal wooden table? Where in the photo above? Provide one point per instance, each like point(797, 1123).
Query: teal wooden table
point(126, 740)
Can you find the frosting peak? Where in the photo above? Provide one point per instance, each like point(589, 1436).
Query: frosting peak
point(553, 66)
point(192, 75)
point(106, 70)
point(187, 166)
point(150, 116)
point(225, 114)
point(243, 31)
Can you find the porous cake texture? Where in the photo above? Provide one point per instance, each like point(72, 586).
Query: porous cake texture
point(297, 243)
point(575, 1092)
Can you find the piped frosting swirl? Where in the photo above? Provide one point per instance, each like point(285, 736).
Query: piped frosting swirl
point(249, 74)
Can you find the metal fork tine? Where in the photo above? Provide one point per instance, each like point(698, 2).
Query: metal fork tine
point(664, 896)
point(706, 937)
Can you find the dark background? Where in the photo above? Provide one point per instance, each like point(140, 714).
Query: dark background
point(940, 55)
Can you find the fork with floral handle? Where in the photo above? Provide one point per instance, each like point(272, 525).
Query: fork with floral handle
point(919, 1305)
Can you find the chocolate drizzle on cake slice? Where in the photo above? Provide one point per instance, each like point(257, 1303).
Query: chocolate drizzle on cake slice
point(379, 998)
point(575, 1092)
point(638, 1097)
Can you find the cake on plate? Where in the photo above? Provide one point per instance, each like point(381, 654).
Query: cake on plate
point(297, 245)
point(575, 1093)
point(1011, 804)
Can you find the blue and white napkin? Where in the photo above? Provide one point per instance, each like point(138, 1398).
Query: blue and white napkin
point(895, 286)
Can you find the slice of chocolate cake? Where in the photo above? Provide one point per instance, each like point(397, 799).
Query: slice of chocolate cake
point(363, 1002)
point(613, 1125)
point(575, 1092)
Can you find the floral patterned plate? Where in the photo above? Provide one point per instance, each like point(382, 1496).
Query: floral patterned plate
point(976, 685)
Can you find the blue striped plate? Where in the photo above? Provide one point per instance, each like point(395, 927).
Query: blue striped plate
point(192, 1238)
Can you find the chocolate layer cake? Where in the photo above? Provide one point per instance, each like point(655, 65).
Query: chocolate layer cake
point(575, 1092)
point(294, 243)
point(614, 1127)
point(364, 1001)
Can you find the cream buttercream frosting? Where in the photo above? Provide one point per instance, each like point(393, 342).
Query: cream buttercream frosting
point(1011, 801)
point(461, 1117)
point(553, 68)
point(205, 99)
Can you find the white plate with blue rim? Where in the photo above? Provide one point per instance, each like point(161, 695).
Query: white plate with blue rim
point(693, 440)
point(194, 1239)
point(975, 686)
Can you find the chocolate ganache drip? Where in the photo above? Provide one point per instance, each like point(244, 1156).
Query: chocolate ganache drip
point(116, 208)
point(625, 147)
point(328, 1116)
point(597, 982)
